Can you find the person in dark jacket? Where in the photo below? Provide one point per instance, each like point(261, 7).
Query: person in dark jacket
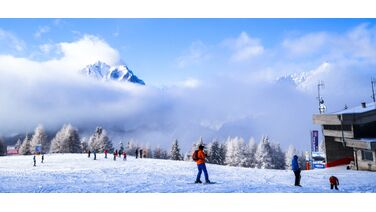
point(140, 153)
point(35, 161)
point(95, 154)
point(115, 154)
point(136, 153)
point(201, 165)
point(295, 167)
point(88, 154)
point(42, 158)
point(334, 182)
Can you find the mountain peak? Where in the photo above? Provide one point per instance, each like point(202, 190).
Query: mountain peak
point(103, 71)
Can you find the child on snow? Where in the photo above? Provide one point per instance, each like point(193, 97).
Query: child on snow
point(35, 161)
point(334, 182)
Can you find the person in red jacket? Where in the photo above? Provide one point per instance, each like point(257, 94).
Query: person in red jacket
point(115, 154)
point(124, 155)
point(334, 182)
point(201, 165)
point(105, 153)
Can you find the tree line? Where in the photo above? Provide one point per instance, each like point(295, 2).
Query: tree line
point(234, 151)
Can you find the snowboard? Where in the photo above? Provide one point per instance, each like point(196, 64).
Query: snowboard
point(203, 183)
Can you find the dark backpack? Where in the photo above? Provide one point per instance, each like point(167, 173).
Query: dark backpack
point(195, 155)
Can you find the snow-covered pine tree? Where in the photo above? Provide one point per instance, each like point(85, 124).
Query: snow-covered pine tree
point(3, 147)
point(25, 146)
point(263, 154)
point(99, 141)
point(164, 154)
point(84, 145)
point(291, 151)
point(18, 144)
point(235, 152)
point(302, 161)
point(249, 153)
point(322, 146)
point(66, 140)
point(131, 148)
point(175, 151)
point(214, 153)
point(278, 156)
point(39, 138)
point(157, 154)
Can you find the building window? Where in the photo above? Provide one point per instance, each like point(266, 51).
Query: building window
point(367, 155)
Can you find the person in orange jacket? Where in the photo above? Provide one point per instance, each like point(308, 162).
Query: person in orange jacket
point(334, 182)
point(201, 165)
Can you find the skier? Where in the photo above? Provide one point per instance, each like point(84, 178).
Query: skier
point(35, 161)
point(201, 165)
point(95, 154)
point(88, 154)
point(136, 153)
point(120, 152)
point(140, 153)
point(42, 158)
point(334, 182)
point(124, 155)
point(105, 153)
point(296, 169)
point(115, 154)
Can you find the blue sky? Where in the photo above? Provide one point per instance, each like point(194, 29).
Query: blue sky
point(204, 77)
point(152, 46)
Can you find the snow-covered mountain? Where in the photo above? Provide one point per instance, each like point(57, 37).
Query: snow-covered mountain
point(102, 71)
point(308, 78)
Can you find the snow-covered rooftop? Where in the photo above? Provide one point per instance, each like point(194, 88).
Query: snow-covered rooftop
point(358, 109)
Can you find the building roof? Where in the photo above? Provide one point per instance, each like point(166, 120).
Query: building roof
point(358, 109)
point(355, 115)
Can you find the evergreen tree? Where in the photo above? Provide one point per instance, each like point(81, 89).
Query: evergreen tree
point(278, 156)
point(99, 141)
point(25, 146)
point(84, 145)
point(214, 153)
point(263, 155)
point(66, 140)
point(3, 147)
point(235, 152)
point(39, 138)
point(18, 144)
point(175, 151)
point(131, 148)
point(322, 146)
point(250, 151)
point(164, 154)
point(302, 161)
point(291, 151)
point(157, 154)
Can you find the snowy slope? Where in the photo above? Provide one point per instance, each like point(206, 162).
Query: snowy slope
point(77, 173)
point(102, 71)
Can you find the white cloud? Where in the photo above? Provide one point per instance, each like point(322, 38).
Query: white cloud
point(306, 44)
point(197, 53)
point(41, 30)
point(244, 47)
point(9, 41)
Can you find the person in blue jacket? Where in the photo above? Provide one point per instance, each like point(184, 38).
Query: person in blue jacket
point(295, 167)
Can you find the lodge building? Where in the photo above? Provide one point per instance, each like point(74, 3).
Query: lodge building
point(350, 135)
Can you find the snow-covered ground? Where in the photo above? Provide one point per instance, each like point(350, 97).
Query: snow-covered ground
point(78, 173)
